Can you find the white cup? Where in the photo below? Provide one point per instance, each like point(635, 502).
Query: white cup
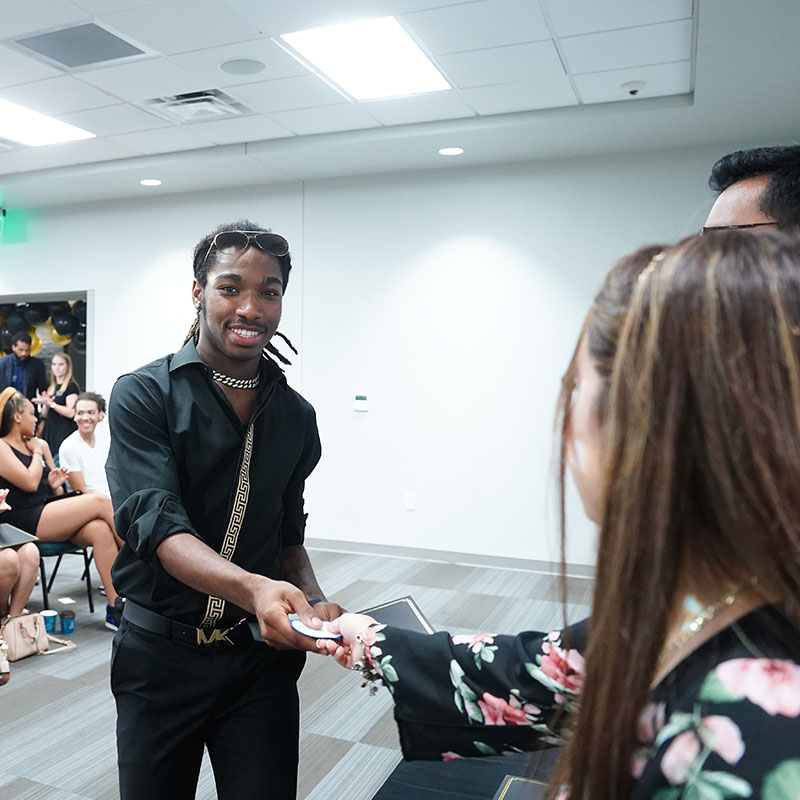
point(50, 618)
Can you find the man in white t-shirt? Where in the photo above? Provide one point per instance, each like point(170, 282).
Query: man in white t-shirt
point(81, 452)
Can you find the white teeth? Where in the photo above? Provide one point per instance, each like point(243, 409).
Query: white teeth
point(246, 334)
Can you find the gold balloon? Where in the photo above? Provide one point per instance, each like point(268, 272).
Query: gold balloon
point(58, 338)
point(36, 342)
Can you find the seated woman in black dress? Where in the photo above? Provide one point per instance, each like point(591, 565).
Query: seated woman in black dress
point(18, 569)
point(681, 421)
point(27, 469)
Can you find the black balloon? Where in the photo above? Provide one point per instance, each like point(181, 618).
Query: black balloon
point(16, 322)
point(79, 310)
point(57, 309)
point(65, 324)
point(36, 314)
point(6, 309)
point(5, 337)
point(80, 336)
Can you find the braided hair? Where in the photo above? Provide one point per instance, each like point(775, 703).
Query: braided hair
point(202, 264)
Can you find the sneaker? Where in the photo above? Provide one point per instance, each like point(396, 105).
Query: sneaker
point(114, 615)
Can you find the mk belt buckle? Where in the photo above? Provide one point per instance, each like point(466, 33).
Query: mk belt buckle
point(216, 636)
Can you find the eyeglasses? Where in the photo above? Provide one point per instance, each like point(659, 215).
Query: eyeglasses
point(236, 242)
point(735, 227)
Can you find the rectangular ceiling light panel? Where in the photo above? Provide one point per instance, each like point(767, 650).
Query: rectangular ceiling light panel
point(34, 129)
point(370, 59)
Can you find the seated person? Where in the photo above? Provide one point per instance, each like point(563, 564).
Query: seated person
point(27, 469)
point(18, 569)
point(81, 453)
point(680, 427)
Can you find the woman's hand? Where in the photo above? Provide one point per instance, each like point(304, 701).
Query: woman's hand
point(34, 446)
point(57, 477)
point(349, 650)
point(4, 506)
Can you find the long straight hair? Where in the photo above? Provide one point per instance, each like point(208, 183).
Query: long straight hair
point(702, 469)
point(55, 385)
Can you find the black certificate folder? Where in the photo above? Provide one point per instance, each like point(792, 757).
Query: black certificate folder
point(515, 788)
point(10, 536)
point(401, 613)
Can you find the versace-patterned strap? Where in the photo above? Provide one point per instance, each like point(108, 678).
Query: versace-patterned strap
point(216, 605)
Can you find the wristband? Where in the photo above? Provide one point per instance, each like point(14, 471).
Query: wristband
point(315, 600)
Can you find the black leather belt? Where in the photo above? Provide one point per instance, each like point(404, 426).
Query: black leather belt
point(171, 629)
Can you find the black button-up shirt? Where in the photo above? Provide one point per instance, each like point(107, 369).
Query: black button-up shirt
point(173, 467)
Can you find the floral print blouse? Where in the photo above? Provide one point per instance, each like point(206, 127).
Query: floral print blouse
point(725, 723)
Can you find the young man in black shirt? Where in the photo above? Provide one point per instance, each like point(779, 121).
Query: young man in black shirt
point(210, 450)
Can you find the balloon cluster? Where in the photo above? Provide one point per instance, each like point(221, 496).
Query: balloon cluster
point(60, 322)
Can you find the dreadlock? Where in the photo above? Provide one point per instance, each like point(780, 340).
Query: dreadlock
point(204, 258)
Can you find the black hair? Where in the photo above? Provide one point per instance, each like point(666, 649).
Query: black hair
point(781, 198)
point(98, 399)
point(14, 404)
point(204, 257)
point(22, 336)
point(202, 264)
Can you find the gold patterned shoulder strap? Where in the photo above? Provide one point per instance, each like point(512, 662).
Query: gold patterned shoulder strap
point(216, 605)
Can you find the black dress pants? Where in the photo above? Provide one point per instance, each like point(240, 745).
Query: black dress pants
point(174, 698)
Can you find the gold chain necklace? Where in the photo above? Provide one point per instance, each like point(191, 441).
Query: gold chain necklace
point(696, 623)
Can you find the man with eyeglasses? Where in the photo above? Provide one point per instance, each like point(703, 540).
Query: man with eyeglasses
point(210, 450)
point(757, 188)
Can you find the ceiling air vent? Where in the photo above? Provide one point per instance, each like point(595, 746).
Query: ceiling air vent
point(197, 106)
point(80, 46)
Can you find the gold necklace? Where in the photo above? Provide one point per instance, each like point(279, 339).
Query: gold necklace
point(696, 623)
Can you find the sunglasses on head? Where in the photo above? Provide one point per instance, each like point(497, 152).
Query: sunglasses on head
point(236, 242)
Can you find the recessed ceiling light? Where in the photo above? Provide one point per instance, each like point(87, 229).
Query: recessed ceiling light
point(34, 129)
point(451, 151)
point(242, 66)
point(369, 59)
point(150, 182)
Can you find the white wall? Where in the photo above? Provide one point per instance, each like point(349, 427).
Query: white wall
point(451, 298)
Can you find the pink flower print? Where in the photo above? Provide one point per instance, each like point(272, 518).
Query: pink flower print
point(679, 757)
point(565, 667)
point(451, 756)
point(497, 711)
point(650, 722)
point(474, 640)
point(722, 735)
point(769, 683)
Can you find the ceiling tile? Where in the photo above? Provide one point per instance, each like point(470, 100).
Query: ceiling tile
point(472, 26)
point(659, 80)
point(38, 17)
point(284, 94)
point(143, 80)
point(418, 108)
point(409, 6)
point(101, 8)
point(91, 150)
point(515, 62)
point(17, 68)
point(111, 120)
point(278, 63)
point(243, 129)
point(33, 158)
point(275, 18)
point(523, 96)
point(178, 26)
point(575, 17)
point(325, 119)
point(632, 47)
point(57, 95)
point(164, 140)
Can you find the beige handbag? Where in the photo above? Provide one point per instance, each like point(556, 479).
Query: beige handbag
point(25, 636)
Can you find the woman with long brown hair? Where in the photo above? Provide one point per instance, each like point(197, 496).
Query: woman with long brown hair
point(37, 498)
point(57, 404)
point(682, 428)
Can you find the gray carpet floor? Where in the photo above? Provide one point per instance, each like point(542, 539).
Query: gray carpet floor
point(57, 713)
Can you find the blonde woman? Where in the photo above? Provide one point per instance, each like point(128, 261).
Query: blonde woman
point(57, 404)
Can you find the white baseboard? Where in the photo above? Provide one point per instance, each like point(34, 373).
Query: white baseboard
point(448, 557)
